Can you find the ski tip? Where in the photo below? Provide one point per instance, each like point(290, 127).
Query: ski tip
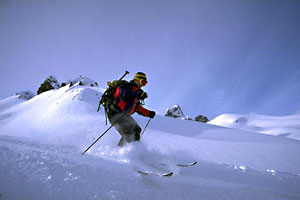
point(141, 172)
point(187, 165)
point(168, 174)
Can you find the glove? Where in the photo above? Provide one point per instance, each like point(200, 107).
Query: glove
point(141, 94)
point(151, 114)
point(144, 95)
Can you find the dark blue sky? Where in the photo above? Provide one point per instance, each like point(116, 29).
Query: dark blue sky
point(211, 57)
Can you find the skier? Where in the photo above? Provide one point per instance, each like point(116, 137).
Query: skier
point(127, 99)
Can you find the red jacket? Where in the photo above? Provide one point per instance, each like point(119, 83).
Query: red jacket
point(126, 98)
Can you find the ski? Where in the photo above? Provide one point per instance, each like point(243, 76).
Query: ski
point(156, 173)
point(180, 165)
point(187, 165)
point(168, 174)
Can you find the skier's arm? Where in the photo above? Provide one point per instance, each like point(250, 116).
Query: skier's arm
point(142, 111)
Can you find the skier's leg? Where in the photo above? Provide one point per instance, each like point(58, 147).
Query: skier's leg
point(129, 130)
point(137, 130)
point(128, 138)
point(126, 126)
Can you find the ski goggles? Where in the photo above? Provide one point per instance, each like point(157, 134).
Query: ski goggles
point(143, 81)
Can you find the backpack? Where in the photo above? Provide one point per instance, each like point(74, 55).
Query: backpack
point(108, 96)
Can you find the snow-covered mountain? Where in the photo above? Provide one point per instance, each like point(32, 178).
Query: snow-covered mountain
point(176, 112)
point(42, 140)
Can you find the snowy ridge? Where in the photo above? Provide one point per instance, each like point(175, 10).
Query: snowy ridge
point(26, 95)
point(287, 126)
point(41, 141)
point(83, 81)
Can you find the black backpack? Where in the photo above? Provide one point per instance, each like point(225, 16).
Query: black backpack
point(108, 96)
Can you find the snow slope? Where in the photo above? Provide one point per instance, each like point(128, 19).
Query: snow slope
point(286, 126)
point(41, 141)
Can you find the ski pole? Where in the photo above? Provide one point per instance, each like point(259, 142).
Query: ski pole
point(146, 126)
point(104, 133)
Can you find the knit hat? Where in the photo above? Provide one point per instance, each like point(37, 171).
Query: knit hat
point(140, 75)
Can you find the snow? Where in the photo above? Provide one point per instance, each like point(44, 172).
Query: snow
point(83, 81)
point(42, 140)
point(9, 102)
point(286, 126)
point(26, 95)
